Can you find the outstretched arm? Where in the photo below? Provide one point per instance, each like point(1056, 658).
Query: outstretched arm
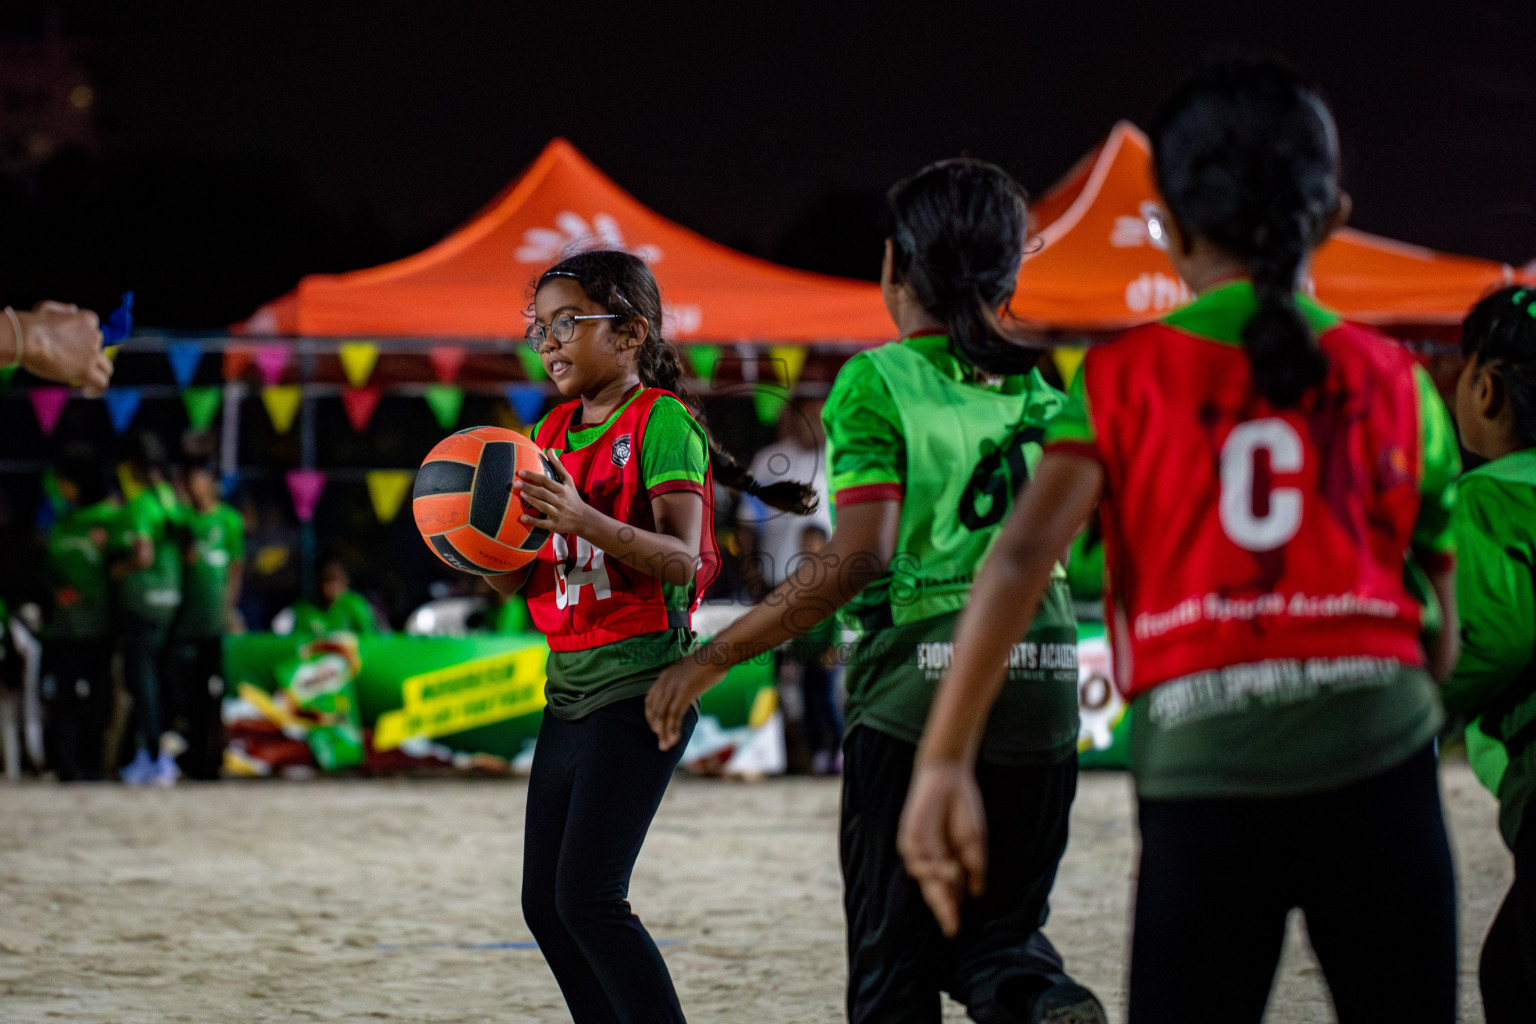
point(822, 582)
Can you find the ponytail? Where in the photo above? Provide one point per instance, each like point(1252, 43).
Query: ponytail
point(1246, 157)
point(659, 367)
point(1282, 353)
point(622, 283)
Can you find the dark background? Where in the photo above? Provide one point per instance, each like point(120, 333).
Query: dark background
point(237, 146)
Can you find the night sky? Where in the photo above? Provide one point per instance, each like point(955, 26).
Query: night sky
point(244, 145)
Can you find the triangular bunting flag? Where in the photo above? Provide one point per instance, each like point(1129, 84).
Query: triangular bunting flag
point(235, 362)
point(119, 323)
point(360, 404)
point(387, 489)
point(48, 404)
point(533, 366)
point(446, 400)
point(128, 483)
point(447, 361)
point(184, 357)
point(1067, 361)
point(202, 403)
point(6, 373)
point(271, 360)
point(789, 361)
point(304, 486)
point(527, 400)
point(770, 400)
point(358, 359)
point(122, 406)
point(703, 359)
point(282, 402)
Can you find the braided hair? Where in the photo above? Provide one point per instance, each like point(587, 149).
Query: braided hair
point(958, 229)
point(622, 283)
point(1247, 157)
point(1500, 334)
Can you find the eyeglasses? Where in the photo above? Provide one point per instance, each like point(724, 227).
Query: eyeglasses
point(561, 330)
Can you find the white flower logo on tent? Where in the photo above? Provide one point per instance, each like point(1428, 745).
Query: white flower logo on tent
point(1130, 232)
point(544, 245)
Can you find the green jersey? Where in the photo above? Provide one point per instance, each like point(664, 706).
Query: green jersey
point(1495, 680)
point(153, 592)
point(350, 612)
point(674, 455)
point(78, 572)
point(914, 422)
point(216, 543)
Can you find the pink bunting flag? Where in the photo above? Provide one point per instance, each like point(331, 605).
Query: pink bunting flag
point(48, 404)
point(271, 360)
point(447, 361)
point(304, 486)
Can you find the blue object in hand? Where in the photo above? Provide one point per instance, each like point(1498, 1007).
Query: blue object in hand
point(119, 324)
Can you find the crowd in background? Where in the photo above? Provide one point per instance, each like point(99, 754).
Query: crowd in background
point(141, 572)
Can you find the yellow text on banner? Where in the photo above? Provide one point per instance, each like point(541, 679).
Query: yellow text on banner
point(462, 697)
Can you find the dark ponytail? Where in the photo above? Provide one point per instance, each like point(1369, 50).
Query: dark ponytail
point(958, 229)
point(622, 283)
point(1500, 333)
point(1246, 156)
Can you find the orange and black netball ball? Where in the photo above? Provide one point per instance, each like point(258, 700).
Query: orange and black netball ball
point(463, 500)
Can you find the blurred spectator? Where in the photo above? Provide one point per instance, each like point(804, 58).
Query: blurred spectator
point(148, 574)
point(338, 608)
point(214, 567)
point(772, 545)
point(77, 686)
point(503, 613)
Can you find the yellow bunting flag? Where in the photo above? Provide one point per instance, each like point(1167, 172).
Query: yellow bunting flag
point(1067, 361)
point(789, 360)
point(358, 359)
point(282, 402)
point(387, 489)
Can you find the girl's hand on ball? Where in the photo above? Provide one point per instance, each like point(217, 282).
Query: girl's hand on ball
point(558, 500)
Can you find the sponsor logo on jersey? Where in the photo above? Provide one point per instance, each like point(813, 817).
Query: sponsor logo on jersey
point(622, 446)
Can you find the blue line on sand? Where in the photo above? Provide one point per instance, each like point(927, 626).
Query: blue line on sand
point(487, 945)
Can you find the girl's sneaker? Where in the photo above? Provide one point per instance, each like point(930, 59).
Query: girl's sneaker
point(140, 771)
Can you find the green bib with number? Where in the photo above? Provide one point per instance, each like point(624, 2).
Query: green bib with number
point(969, 451)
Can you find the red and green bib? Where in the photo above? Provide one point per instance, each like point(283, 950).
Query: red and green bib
point(1236, 532)
point(578, 597)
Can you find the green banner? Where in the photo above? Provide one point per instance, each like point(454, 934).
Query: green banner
point(476, 694)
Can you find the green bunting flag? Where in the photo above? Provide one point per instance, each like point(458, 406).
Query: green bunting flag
point(445, 400)
point(202, 403)
point(533, 366)
point(702, 358)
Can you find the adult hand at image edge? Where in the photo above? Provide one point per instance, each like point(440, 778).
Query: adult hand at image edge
point(62, 342)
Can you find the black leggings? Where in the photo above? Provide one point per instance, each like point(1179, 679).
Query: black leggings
point(1369, 866)
point(898, 960)
point(595, 787)
point(1507, 971)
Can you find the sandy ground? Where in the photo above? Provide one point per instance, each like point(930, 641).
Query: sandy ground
point(397, 901)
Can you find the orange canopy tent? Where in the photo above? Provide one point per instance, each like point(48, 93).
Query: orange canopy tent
point(1098, 270)
point(475, 283)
